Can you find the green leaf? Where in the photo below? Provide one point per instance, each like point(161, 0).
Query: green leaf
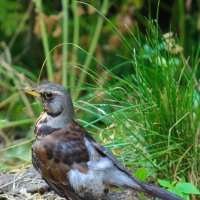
point(164, 183)
point(141, 174)
point(177, 191)
point(174, 183)
point(2, 122)
point(188, 188)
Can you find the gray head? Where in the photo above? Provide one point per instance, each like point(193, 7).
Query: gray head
point(55, 100)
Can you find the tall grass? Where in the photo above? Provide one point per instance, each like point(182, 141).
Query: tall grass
point(45, 41)
point(65, 4)
point(166, 80)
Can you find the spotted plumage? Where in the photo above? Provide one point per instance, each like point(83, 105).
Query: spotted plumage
point(72, 163)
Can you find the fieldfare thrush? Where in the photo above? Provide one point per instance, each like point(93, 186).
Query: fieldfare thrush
point(68, 158)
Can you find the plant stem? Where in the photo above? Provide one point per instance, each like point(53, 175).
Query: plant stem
point(65, 4)
point(92, 47)
point(45, 40)
point(181, 22)
point(17, 123)
point(75, 41)
point(21, 24)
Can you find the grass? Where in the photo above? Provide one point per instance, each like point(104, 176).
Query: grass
point(65, 40)
point(76, 31)
point(45, 42)
point(93, 46)
point(149, 117)
point(166, 81)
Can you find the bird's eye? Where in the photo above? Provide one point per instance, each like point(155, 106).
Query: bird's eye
point(48, 95)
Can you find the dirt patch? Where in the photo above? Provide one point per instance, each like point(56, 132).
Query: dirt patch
point(29, 185)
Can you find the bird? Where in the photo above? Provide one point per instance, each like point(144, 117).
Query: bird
point(70, 160)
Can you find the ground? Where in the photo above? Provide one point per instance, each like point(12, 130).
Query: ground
point(28, 185)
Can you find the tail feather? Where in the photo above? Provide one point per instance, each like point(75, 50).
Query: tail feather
point(116, 177)
point(157, 192)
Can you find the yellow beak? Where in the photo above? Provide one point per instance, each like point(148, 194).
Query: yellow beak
point(31, 92)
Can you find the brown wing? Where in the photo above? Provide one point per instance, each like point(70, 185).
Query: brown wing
point(55, 154)
point(100, 149)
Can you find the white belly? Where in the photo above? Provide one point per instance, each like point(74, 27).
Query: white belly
point(93, 180)
point(101, 172)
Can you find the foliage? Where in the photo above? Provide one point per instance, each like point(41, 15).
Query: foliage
point(10, 12)
point(182, 188)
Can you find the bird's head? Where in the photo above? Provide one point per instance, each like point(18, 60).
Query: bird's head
point(55, 99)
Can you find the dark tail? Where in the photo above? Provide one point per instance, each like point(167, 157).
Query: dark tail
point(158, 192)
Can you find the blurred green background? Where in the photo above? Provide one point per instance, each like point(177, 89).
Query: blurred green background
point(132, 68)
